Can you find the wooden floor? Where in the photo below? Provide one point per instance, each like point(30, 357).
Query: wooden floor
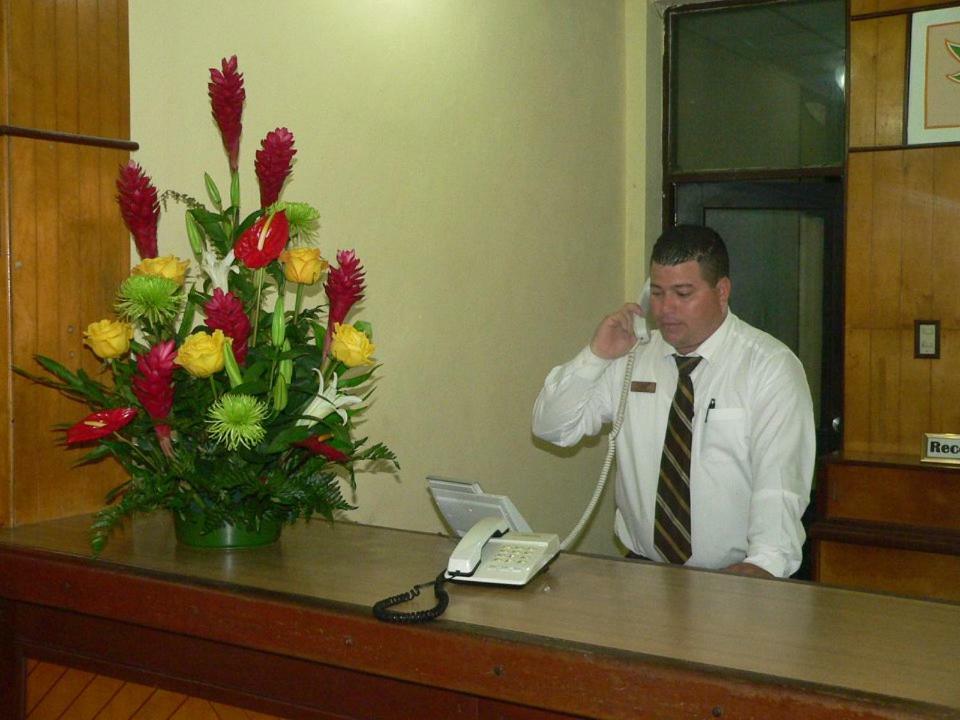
point(59, 693)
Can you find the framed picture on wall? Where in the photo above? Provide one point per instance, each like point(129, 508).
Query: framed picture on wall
point(933, 114)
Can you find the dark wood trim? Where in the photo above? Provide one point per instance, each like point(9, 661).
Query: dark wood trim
point(888, 535)
point(916, 146)
point(748, 174)
point(69, 138)
point(904, 130)
point(901, 11)
point(892, 461)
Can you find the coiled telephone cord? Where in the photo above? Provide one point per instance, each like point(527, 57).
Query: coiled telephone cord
point(382, 611)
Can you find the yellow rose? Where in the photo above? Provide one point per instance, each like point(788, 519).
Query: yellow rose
point(108, 338)
point(303, 265)
point(169, 266)
point(201, 354)
point(351, 347)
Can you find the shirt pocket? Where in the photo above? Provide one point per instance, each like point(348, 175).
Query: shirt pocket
point(724, 437)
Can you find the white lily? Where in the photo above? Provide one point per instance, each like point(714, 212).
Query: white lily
point(327, 401)
point(218, 270)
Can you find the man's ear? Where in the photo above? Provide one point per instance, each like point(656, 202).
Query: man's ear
point(723, 286)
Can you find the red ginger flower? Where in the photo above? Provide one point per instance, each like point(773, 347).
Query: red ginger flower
point(139, 207)
point(100, 424)
point(273, 164)
point(344, 286)
point(263, 242)
point(153, 384)
point(224, 312)
point(318, 447)
point(226, 98)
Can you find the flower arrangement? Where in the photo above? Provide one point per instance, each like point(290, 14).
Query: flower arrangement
point(219, 409)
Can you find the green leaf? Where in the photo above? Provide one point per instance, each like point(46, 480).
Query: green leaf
point(186, 324)
point(356, 380)
point(286, 438)
point(247, 223)
point(212, 225)
point(365, 327)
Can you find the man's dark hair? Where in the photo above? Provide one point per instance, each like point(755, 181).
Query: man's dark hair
point(683, 243)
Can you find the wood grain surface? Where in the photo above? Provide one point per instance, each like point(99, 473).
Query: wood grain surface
point(788, 633)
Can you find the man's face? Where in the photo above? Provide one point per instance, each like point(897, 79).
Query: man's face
point(686, 307)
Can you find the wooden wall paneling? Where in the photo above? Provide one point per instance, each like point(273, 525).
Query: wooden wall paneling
point(946, 221)
point(88, 91)
point(44, 65)
point(891, 74)
point(6, 387)
point(863, 83)
point(866, 7)
point(113, 69)
point(885, 391)
point(916, 277)
point(910, 572)
point(945, 411)
point(23, 298)
point(877, 72)
point(856, 391)
point(69, 260)
point(910, 496)
point(19, 40)
point(916, 381)
point(66, 45)
point(885, 248)
point(859, 225)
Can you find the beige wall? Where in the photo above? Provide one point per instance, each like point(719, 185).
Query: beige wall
point(486, 160)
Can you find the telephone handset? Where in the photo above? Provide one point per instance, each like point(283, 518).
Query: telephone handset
point(640, 321)
point(490, 553)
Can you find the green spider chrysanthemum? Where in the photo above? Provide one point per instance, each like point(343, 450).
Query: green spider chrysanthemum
point(235, 420)
point(149, 297)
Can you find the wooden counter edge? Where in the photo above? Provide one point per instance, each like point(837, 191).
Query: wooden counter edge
point(528, 671)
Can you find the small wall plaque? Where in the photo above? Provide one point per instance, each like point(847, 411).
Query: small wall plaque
point(941, 448)
point(926, 339)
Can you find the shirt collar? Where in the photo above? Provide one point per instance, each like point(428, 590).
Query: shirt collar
point(709, 348)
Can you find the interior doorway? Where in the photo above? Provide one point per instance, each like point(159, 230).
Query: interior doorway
point(785, 243)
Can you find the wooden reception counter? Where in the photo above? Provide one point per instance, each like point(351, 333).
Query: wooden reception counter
point(288, 630)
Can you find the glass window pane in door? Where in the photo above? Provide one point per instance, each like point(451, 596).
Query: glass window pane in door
point(758, 86)
point(776, 274)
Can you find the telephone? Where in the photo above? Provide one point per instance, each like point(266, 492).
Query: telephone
point(640, 321)
point(490, 553)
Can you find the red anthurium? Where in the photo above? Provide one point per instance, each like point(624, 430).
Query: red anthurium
point(273, 164)
point(263, 242)
point(226, 98)
point(139, 208)
point(100, 424)
point(318, 447)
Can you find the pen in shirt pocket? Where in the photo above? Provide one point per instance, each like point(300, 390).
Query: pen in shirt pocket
point(711, 406)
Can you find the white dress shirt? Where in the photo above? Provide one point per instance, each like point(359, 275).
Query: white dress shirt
point(752, 456)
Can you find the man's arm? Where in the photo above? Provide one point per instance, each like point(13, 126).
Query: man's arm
point(574, 401)
point(783, 449)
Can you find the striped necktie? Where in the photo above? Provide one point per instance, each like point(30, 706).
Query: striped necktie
point(672, 527)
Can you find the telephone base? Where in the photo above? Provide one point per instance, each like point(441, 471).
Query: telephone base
point(513, 559)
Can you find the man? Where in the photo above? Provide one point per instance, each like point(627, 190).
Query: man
point(717, 447)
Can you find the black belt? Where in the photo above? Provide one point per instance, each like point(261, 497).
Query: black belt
point(631, 555)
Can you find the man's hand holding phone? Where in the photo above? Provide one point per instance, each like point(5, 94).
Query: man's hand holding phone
point(615, 335)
